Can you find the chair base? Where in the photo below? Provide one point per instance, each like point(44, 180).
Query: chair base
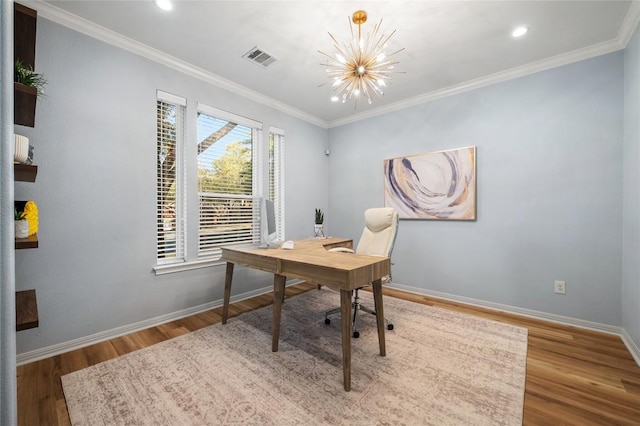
point(356, 307)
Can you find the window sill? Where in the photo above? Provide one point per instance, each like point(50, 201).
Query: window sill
point(186, 266)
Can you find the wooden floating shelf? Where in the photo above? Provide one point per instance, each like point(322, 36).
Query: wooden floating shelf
point(25, 172)
point(24, 104)
point(26, 310)
point(30, 242)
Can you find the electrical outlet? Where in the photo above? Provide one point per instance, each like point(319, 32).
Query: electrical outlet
point(560, 287)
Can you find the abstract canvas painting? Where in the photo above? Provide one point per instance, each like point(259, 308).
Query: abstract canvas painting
point(436, 185)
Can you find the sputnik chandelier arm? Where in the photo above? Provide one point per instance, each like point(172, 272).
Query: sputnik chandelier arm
point(360, 66)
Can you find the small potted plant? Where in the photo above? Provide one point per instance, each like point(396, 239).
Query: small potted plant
point(22, 224)
point(319, 221)
point(28, 85)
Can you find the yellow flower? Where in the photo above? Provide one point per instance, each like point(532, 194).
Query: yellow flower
point(31, 214)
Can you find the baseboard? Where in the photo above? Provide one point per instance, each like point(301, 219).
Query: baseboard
point(559, 319)
point(60, 348)
point(71, 345)
point(631, 345)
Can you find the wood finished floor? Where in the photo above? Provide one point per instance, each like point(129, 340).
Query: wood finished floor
point(574, 376)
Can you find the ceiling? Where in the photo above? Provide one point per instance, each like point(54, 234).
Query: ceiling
point(450, 46)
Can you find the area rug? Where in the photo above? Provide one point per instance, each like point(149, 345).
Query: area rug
point(441, 368)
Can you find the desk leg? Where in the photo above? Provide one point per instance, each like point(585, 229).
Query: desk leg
point(227, 292)
point(345, 319)
point(377, 298)
point(278, 295)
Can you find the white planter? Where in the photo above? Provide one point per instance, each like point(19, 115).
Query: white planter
point(21, 152)
point(319, 230)
point(22, 228)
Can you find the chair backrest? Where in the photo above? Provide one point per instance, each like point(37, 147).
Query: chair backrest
point(379, 234)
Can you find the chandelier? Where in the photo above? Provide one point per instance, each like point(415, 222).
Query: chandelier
point(360, 67)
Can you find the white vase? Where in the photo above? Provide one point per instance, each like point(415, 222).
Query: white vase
point(21, 152)
point(22, 228)
point(319, 230)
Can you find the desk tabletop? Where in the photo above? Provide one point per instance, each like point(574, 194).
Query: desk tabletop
point(310, 260)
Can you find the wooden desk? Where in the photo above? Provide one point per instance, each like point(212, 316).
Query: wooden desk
point(310, 260)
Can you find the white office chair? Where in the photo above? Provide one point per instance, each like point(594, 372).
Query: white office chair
point(378, 238)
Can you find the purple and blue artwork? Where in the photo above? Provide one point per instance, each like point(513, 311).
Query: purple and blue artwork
point(436, 185)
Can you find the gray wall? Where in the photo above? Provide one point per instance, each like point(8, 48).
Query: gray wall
point(549, 172)
point(95, 147)
point(631, 215)
point(550, 190)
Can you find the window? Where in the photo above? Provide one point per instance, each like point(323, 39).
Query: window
point(276, 177)
point(170, 181)
point(229, 184)
point(233, 167)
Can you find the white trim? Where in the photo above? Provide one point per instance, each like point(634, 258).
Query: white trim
point(186, 266)
point(276, 131)
point(229, 116)
point(48, 11)
point(631, 345)
point(81, 342)
point(69, 20)
point(631, 21)
point(530, 313)
point(60, 348)
point(171, 98)
point(559, 319)
point(499, 77)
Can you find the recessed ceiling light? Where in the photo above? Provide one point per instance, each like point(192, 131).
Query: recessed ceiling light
point(519, 32)
point(163, 4)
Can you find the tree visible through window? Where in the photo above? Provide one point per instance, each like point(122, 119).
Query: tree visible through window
point(226, 156)
point(169, 192)
point(227, 213)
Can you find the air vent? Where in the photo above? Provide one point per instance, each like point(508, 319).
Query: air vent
point(259, 57)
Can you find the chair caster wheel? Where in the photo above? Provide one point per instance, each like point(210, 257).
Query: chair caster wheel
point(327, 321)
point(356, 334)
point(390, 327)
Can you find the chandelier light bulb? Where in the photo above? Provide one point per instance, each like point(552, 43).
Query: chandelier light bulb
point(360, 65)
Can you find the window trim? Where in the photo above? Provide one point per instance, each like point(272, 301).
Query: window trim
point(185, 166)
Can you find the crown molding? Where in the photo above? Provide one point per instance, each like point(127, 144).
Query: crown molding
point(630, 23)
point(499, 77)
point(48, 11)
point(59, 16)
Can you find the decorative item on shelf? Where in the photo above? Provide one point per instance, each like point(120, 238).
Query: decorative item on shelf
point(360, 66)
point(21, 225)
point(27, 76)
point(31, 214)
point(30, 155)
point(28, 86)
point(21, 151)
point(27, 211)
point(319, 224)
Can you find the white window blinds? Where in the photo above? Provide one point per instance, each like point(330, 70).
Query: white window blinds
point(227, 180)
point(276, 177)
point(170, 181)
